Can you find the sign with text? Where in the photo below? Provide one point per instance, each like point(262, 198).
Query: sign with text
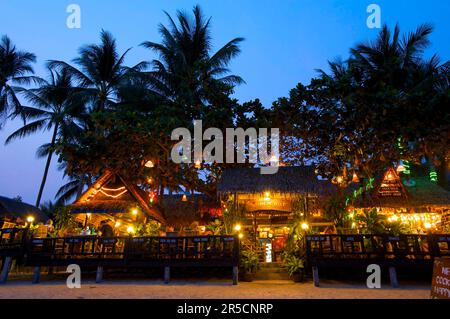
point(440, 284)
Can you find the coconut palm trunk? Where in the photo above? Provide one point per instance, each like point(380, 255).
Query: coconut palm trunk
point(47, 166)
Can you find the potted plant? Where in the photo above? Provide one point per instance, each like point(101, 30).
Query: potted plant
point(295, 267)
point(248, 265)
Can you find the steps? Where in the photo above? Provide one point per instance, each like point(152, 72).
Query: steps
point(271, 271)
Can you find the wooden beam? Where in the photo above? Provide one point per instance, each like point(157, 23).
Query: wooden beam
point(5, 270)
point(99, 276)
point(393, 277)
point(315, 271)
point(36, 275)
point(166, 275)
point(235, 275)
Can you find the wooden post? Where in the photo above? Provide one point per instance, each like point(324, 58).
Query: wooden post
point(99, 276)
point(393, 277)
point(235, 275)
point(36, 275)
point(5, 270)
point(166, 274)
point(315, 271)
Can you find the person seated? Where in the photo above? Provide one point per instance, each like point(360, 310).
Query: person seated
point(105, 229)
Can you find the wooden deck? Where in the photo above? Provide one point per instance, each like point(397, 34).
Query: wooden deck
point(392, 252)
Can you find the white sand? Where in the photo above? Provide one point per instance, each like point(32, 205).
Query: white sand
point(210, 289)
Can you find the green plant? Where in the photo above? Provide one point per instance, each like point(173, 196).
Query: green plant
point(293, 264)
point(248, 261)
point(334, 210)
point(150, 228)
point(216, 227)
point(65, 221)
point(371, 222)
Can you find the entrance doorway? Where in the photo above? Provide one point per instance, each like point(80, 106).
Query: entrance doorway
point(269, 232)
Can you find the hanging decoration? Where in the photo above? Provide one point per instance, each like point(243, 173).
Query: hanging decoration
point(391, 185)
point(113, 192)
point(433, 174)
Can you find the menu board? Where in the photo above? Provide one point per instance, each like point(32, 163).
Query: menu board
point(440, 284)
point(391, 185)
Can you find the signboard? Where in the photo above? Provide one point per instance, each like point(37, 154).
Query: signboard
point(391, 186)
point(440, 284)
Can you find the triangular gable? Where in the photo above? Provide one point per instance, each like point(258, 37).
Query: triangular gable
point(122, 189)
point(390, 186)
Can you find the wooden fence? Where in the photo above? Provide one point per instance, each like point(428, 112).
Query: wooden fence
point(123, 252)
point(383, 250)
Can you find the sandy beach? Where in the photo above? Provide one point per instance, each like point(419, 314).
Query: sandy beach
point(210, 289)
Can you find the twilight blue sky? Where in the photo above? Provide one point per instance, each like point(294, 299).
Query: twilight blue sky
point(286, 40)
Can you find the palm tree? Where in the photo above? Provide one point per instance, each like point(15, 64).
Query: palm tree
point(56, 108)
point(15, 69)
point(101, 72)
point(187, 70)
point(392, 59)
point(73, 188)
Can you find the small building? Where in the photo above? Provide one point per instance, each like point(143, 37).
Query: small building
point(14, 212)
point(270, 201)
point(414, 200)
point(116, 201)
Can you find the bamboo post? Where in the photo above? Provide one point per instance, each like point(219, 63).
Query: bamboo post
point(166, 274)
point(99, 276)
point(235, 275)
point(315, 271)
point(5, 270)
point(36, 275)
point(393, 277)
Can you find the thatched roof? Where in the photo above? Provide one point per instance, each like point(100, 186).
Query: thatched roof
point(183, 214)
point(288, 179)
point(423, 194)
point(112, 194)
point(10, 208)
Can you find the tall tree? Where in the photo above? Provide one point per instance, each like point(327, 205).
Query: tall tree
point(353, 116)
point(15, 69)
point(187, 72)
point(55, 108)
point(101, 71)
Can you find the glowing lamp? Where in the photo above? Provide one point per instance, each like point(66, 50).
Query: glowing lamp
point(427, 225)
point(304, 226)
point(30, 219)
point(400, 168)
point(117, 224)
point(130, 230)
point(237, 227)
point(184, 198)
point(134, 212)
point(149, 164)
point(339, 179)
point(198, 164)
point(241, 236)
point(355, 178)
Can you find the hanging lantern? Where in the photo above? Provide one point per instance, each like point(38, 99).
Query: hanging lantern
point(400, 167)
point(184, 198)
point(433, 175)
point(355, 178)
point(149, 164)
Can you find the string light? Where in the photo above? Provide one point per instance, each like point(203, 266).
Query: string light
point(122, 191)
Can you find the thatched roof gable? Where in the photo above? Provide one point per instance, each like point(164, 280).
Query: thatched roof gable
point(289, 179)
point(423, 194)
point(111, 194)
point(11, 208)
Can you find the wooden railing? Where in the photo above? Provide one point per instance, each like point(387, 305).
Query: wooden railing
point(129, 251)
point(12, 242)
point(345, 249)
